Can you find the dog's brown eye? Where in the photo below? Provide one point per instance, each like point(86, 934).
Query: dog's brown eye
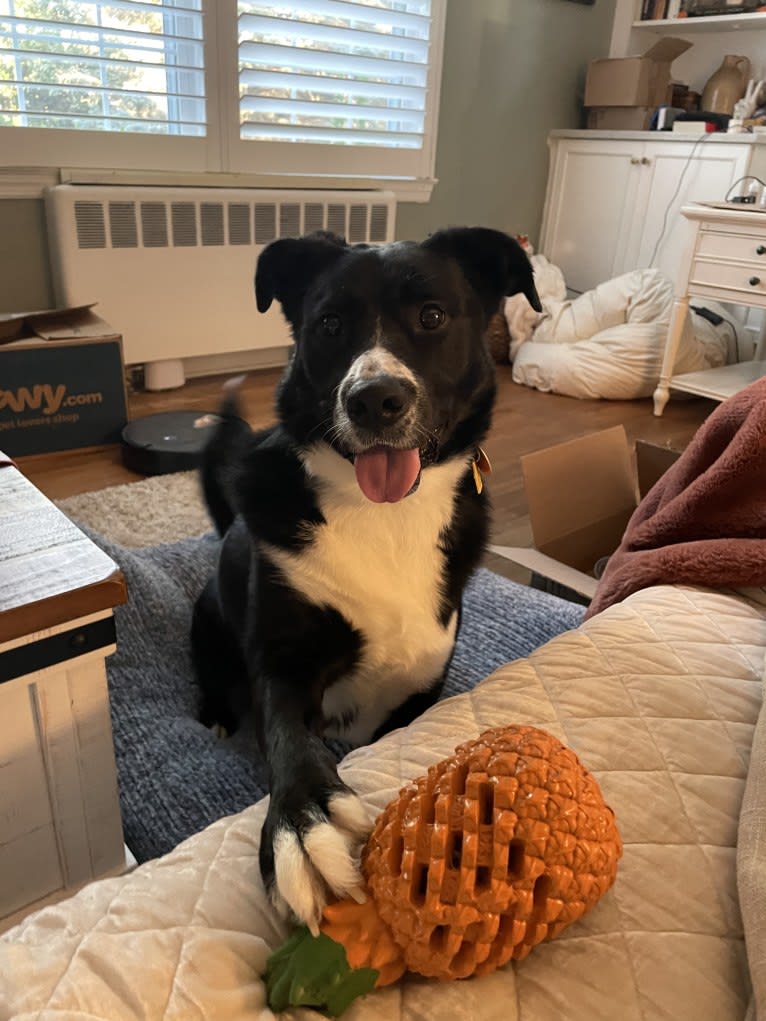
point(331, 324)
point(432, 317)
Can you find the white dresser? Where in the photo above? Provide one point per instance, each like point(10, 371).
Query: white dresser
point(723, 257)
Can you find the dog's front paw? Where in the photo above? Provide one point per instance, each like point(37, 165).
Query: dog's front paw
point(308, 851)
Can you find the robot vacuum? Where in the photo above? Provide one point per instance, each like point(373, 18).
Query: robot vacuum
point(171, 441)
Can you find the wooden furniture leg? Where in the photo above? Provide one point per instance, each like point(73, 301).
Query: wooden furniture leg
point(675, 332)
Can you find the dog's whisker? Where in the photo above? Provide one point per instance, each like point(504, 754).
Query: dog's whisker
point(333, 432)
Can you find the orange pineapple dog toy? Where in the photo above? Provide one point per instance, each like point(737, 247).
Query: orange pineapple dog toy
point(499, 847)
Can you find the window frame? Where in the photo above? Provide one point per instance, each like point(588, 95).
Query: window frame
point(221, 151)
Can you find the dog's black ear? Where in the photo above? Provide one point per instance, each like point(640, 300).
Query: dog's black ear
point(287, 267)
point(494, 263)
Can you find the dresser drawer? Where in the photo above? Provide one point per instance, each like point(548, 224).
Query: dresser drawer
point(740, 247)
point(749, 280)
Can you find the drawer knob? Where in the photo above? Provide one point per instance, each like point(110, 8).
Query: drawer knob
point(754, 281)
point(760, 250)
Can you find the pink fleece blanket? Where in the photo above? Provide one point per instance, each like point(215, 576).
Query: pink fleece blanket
point(704, 522)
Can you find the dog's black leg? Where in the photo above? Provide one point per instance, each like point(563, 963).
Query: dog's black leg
point(219, 665)
point(315, 824)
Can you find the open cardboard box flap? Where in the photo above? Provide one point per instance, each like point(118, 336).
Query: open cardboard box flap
point(581, 495)
point(633, 81)
point(666, 50)
point(76, 322)
point(576, 489)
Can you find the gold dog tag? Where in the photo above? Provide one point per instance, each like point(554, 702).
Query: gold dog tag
point(480, 463)
point(483, 462)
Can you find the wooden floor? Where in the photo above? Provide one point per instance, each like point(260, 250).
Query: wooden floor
point(525, 420)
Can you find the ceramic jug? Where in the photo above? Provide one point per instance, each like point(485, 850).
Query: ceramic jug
point(727, 85)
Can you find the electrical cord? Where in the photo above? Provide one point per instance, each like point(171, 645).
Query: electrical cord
point(735, 337)
point(747, 177)
point(734, 329)
point(660, 239)
point(690, 158)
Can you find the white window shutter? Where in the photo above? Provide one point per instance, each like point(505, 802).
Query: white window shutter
point(103, 65)
point(338, 86)
point(330, 89)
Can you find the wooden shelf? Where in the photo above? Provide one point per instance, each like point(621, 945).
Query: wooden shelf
point(719, 384)
point(717, 23)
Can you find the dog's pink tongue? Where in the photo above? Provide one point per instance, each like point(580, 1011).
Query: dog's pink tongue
point(386, 475)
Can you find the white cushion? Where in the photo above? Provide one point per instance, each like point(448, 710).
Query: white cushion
point(658, 696)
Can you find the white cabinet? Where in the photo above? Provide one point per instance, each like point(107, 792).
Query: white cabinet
point(614, 198)
point(674, 175)
point(591, 197)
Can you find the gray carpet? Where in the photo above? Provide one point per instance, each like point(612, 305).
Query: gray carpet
point(175, 776)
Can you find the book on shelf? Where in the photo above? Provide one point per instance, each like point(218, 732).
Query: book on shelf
point(668, 10)
point(716, 8)
point(658, 10)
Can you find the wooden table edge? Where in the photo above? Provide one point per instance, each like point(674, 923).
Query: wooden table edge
point(63, 608)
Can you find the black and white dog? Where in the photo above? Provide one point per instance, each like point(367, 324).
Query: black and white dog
point(351, 527)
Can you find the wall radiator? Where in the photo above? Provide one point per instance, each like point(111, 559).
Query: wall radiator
point(172, 268)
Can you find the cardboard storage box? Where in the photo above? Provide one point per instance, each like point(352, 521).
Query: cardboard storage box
point(620, 118)
point(634, 81)
point(602, 487)
point(62, 382)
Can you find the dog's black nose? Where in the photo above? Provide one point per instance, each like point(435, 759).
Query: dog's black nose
point(379, 403)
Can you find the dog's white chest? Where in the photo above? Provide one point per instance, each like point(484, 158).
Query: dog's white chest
point(381, 567)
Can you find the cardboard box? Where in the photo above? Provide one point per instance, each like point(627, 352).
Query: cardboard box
point(602, 486)
point(62, 382)
point(620, 118)
point(634, 81)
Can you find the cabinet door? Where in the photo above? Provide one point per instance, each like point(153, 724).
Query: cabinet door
point(590, 209)
point(675, 174)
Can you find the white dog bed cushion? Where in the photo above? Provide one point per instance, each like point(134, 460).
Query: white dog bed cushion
point(657, 695)
point(608, 342)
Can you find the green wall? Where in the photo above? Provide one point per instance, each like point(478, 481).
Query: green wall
point(25, 280)
point(513, 70)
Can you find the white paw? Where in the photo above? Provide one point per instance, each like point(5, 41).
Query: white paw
point(231, 386)
point(325, 857)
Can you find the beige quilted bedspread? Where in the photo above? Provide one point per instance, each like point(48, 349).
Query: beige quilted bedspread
point(659, 696)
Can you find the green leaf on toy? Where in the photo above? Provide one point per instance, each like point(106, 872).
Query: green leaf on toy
point(311, 971)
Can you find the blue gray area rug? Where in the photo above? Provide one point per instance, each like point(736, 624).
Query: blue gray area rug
point(175, 776)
